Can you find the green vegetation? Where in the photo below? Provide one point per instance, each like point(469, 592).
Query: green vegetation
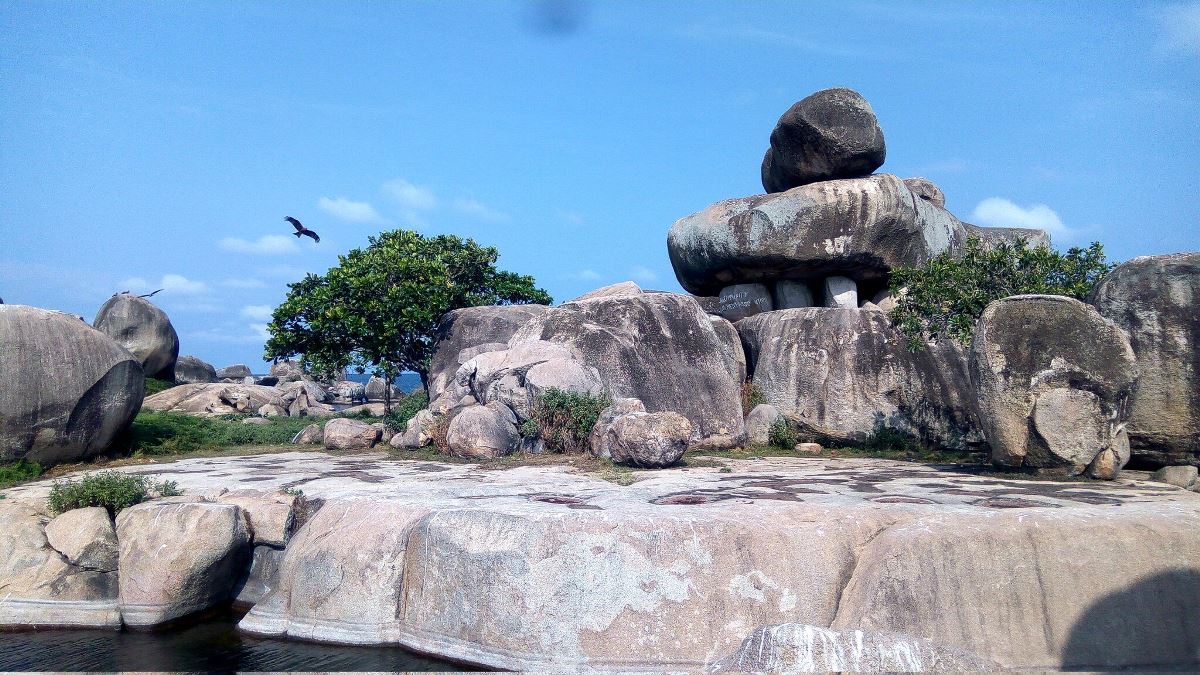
point(885, 439)
point(397, 418)
point(111, 489)
point(944, 298)
point(154, 386)
point(18, 472)
point(168, 433)
point(564, 419)
point(782, 434)
point(379, 308)
point(295, 492)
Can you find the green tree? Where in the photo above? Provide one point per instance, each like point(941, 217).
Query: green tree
point(944, 298)
point(377, 309)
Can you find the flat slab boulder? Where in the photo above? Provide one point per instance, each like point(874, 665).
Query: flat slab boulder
point(843, 373)
point(179, 556)
point(141, 327)
point(1156, 301)
point(68, 389)
point(1053, 379)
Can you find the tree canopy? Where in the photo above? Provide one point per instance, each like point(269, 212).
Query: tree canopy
point(945, 298)
point(378, 308)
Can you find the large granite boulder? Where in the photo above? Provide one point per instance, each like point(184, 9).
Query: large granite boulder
point(142, 328)
point(39, 586)
point(660, 348)
point(483, 432)
point(287, 371)
point(212, 399)
point(179, 556)
point(859, 228)
point(827, 135)
point(1156, 301)
point(342, 434)
point(648, 440)
point(840, 374)
point(800, 648)
point(68, 389)
point(235, 372)
point(622, 289)
point(516, 376)
point(191, 370)
point(86, 537)
point(1053, 381)
point(461, 332)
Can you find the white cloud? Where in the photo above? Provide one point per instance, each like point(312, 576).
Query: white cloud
point(585, 275)
point(643, 274)
point(409, 196)
point(173, 284)
point(270, 244)
point(1000, 212)
point(259, 312)
point(1179, 28)
point(350, 211)
point(480, 211)
point(259, 330)
point(242, 283)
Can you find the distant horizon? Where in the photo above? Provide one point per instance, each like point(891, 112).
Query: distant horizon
point(161, 145)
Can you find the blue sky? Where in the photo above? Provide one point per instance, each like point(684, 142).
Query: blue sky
point(160, 144)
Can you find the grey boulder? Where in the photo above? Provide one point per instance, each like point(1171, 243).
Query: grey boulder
point(1156, 301)
point(648, 440)
point(469, 328)
point(1182, 476)
point(86, 537)
point(144, 330)
point(310, 434)
point(598, 439)
point(191, 370)
point(349, 435)
point(483, 432)
point(68, 390)
point(840, 374)
point(759, 423)
point(237, 371)
point(1053, 380)
point(830, 134)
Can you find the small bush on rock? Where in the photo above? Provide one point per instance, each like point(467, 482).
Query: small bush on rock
point(885, 439)
point(565, 419)
point(944, 298)
point(111, 489)
point(782, 435)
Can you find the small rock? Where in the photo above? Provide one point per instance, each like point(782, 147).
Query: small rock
point(792, 294)
point(86, 537)
point(841, 292)
point(597, 444)
point(385, 432)
point(482, 432)
point(759, 422)
point(309, 434)
point(809, 448)
point(649, 440)
point(927, 190)
point(1180, 476)
point(347, 434)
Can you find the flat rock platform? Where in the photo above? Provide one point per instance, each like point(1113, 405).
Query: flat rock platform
point(545, 567)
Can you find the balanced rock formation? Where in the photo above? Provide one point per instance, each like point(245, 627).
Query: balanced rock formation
point(841, 374)
point(1156, 301)
point(68, 389)
point(191, 370)
point(1053, 381)
point(827, 135)
point(142, 328)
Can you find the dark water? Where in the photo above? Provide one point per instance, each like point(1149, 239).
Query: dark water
point(213, 645)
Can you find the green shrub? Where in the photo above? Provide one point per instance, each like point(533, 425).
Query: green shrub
point(405, 410)
point(782, 435)
point(18, 472)
point(154, 386)
point(167, 488)
point(565, 419)
point(944, 298)
point(111, 489)
point(885, 439)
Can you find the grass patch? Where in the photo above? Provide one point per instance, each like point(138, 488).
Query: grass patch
point(154, 386)
point(564, 419)
point(168, 433)
point(18, 472)
point(112, 490)
point(405, 410)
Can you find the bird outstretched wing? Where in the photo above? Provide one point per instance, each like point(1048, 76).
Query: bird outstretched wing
point(295, 223)
point(309, 233)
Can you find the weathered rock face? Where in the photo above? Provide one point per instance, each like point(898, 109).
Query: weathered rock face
point(859, 228)
point(515, 377)
point(732, 343)
point(236, 372)
point(660, 348)
point(739, 301)
point(792, 295)
point(1156, 301)
point(178, 556)
point(270, 515)
point(648, 440)
point(927, 190)
point(86, 537)
point(597, 441)
point(759, 423)
point(830, 134)
point(841, 373)
point(483, 432)
point(625, 288)
point(471, 327)
point(68, 389)
point(262, 577)
point(144, 330)
point(1053, 380)
point(39, 587)
point(216, 398)
point(1008, 235)
point(287, 371)
point(349, 435)
point(800, 648)
point(191, 370)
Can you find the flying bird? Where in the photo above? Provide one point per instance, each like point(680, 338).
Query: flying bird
point(150, 295)
point(301, 230)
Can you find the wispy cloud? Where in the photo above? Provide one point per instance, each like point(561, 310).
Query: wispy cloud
point(480, 211)
point(409, 196)
point(172, 284)
point(259, 331)
point(257, 312)
point(643, 274)
point(270, 244)
point(585, 275)
point(350, 211)
point(1000, 212)
point(242, 283)
point(1179, 28)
